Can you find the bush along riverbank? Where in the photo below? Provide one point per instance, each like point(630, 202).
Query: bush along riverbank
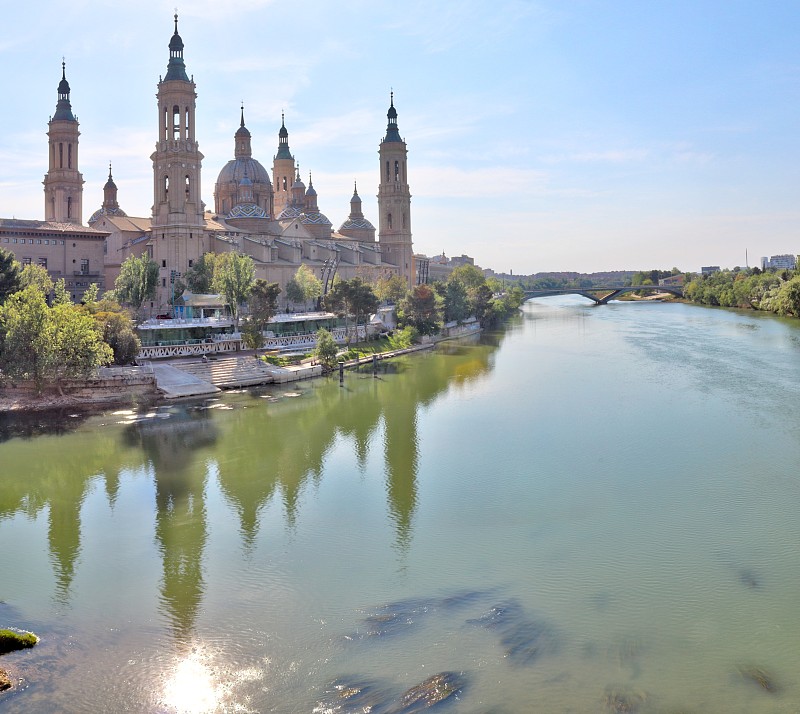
point(771, 291)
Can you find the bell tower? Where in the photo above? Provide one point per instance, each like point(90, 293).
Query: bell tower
point(63, 183)
point(394, 201)
point(178, 221)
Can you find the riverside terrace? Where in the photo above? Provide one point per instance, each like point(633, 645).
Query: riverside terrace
point(182, 337)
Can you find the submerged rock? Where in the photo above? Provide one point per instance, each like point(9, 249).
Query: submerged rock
point(345, 696)
point(620, 700)
point(434, 690)
point(523, 639)
point(353, 697)
point(397, 617)
point(5, 681)
point(759, 676)
point(11, 640)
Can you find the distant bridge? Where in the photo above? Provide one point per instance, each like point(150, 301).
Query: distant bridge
point(600, 296)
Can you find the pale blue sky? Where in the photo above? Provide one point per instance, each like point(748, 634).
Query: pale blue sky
point(555, 135)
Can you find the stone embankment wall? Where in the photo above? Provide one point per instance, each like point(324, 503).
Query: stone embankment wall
point(122, 385)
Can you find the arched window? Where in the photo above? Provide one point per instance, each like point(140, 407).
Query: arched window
point(285, 184)
point(69, 206)
point(69, 156)
point(166, 187)
point(187, 187)
point(60, 155)
point(176, 122)
point(187, 123)
point(389, 219)
point(388, 175)
point(396, 170)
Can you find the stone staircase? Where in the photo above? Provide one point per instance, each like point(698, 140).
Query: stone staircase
point(228, 372)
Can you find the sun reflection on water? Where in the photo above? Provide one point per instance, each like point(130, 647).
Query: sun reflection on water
point(197, 684)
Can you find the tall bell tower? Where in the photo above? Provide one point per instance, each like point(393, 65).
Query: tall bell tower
point(63, 183)
point(178, 223)
point(394, 201)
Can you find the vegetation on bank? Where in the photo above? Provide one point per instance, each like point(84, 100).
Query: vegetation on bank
point(771, 291)
point(46, 338)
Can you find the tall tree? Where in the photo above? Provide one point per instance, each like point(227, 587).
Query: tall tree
point(137, 281)
point(9, 275)
point(36, 276)
point(200, 276)
point(234, 275)
point(456, 307)
point(304, 286)
point(263, 302)
point(420, 309)
point(27, 335)
point(392, 289)
point(352, 298)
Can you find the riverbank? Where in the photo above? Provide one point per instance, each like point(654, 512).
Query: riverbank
point(178, 378)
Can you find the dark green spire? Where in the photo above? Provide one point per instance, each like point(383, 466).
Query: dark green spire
point(63, 107)
point(176, 69)
point(392, 133)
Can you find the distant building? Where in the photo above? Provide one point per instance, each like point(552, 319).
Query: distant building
point(709, 269)
point(672, 280)
point(779, 262)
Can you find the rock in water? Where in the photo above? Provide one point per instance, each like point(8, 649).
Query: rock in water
point(10, 640)
point(523, 639)
point(5, 681)
point(344, 696)
point(434, 690)
point(760, 677)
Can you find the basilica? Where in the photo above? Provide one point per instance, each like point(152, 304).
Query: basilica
point(275, 220)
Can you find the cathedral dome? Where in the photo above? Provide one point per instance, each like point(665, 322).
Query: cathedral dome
point(236, 169)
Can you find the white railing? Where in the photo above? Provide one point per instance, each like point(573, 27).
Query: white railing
point(222, 345)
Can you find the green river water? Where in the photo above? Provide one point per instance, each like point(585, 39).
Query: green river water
point(595, 510)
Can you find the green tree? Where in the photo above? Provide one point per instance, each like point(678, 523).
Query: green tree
point(234, 275)
point(263, 302)
point(326, 349)
point(391, 289)
point(90, 294)
point(200, 276)
point(77, 347)
point(61, 295)
point(36, 276)
point(456, 307)
point(119, 335)
point(27, 335)
point(137, 281)
point(304, 286)
point(9, 275)
point(420, 309)
point(468, 275)
point(352, 298)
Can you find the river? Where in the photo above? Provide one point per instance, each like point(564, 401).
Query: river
point(595, 510)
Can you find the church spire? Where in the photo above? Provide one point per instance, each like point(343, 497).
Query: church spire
point(176, 69)
point(63, 107)
point(243, 149)
point(283, 142)
point(110, 203)
point(392, 133)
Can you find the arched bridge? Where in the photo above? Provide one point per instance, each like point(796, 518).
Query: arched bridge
point(600, 296)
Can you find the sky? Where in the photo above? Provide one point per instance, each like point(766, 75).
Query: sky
point(552, 135)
